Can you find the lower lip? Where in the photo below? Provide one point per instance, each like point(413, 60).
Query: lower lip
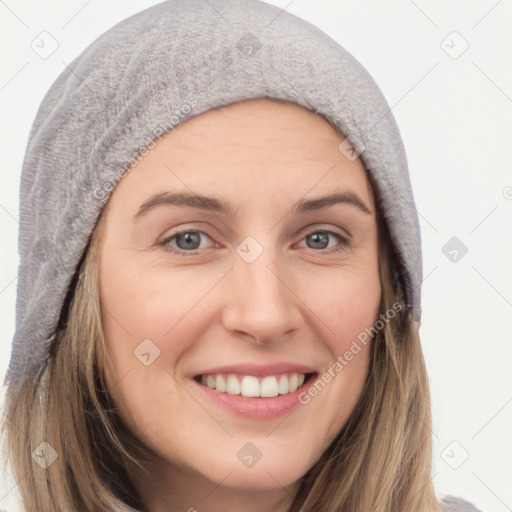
point(255, 407)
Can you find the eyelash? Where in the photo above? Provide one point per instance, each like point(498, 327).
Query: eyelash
point(344, 242)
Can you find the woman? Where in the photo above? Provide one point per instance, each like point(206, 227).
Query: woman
point(252, 369)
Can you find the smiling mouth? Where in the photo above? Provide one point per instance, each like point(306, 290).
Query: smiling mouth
point(251, 386)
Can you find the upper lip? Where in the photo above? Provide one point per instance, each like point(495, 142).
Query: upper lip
point(258, 370)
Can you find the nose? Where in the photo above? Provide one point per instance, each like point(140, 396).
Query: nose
point(260, 301)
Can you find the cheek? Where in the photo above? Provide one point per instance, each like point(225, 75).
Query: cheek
point(348, 308)
point(139, 302)
point(346, 304)
point(148, 325)
point(150, 315)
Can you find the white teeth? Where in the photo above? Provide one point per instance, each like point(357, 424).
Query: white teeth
point(220, 383)
point(269, 387)
point(210, 381)
point(283, 385)
point(233, 385)
point(293, 383)
point(250, 386)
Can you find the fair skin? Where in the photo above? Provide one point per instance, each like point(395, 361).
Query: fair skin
point(300, 302)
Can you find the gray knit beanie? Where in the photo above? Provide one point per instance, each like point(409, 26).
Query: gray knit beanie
point(152, 72)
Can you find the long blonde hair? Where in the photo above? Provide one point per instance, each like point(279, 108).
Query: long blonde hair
point(380, 461)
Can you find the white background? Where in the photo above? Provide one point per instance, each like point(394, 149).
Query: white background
point(455, 115)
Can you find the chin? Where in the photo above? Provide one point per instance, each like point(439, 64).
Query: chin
point(266, 477)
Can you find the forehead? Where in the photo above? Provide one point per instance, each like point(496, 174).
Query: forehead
point(254, 114)
point(257, 149)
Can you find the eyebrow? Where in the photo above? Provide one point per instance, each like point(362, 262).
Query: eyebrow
point(219, 206)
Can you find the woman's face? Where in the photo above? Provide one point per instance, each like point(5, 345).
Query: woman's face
point(249, 291)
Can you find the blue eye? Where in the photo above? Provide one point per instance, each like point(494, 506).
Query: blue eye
point(185, 243)
point(320, 240)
